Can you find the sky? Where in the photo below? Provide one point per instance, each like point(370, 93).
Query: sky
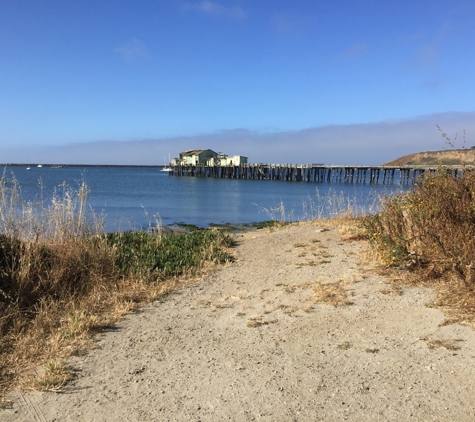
point(279, 81)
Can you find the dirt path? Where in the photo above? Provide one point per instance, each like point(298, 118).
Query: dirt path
point(248, 343)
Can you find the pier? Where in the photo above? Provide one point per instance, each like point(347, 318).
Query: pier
point(308, 172)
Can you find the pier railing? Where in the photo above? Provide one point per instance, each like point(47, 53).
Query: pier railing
point(309, 172)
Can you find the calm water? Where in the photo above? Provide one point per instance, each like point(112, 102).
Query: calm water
point(125, 195)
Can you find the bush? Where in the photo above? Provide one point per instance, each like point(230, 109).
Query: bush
point(432, 224)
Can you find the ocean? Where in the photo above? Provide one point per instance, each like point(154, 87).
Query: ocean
point(128, 198)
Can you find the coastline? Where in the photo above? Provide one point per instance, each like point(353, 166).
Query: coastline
point(260, 339)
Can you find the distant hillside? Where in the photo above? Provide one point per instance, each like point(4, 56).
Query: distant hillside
point(445, 157)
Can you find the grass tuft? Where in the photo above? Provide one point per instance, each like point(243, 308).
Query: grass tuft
point(53, 377)
point(333, 294)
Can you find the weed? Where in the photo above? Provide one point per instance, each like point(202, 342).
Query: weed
point(449, 344)
point(222, 305)
point(289, 289)
point(189, 227)
point(266, 224)
point(308, 309)
point(330, 294)
point(394, 290)
point(259, 321)
point(344, 346)
point(54, 376)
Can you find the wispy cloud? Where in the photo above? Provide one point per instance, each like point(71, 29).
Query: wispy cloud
point(132, 49)
point(216, 9)
point(427, 54)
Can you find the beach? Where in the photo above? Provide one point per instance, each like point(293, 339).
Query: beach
point(300, 327)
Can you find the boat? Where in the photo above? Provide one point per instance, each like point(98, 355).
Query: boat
point(166, 167)
point(39, 165)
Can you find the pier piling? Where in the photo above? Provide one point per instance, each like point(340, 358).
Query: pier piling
point(307, 173)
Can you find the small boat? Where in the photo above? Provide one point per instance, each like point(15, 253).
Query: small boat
point(39, 165)
point(166, 167)
point(28, 168)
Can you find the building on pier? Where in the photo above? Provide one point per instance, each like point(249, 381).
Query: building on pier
point(196, 157)
point(207, 157)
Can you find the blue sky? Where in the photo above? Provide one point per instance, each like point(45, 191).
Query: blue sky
point(128, 82)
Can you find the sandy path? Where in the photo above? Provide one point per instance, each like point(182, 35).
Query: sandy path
point(194, 357)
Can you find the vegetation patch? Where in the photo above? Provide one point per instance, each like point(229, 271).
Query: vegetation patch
point(269, 224)
point(333, 294)
point(227, 227)
point(429, 233)
point(62, 279)
point(189, 227)
point(259, 321)
point(53, 376)
point(449, 344)
point(344, 346)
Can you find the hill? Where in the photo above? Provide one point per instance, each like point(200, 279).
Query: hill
point(445, 157)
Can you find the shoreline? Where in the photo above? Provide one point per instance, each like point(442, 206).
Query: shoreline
point(299, 327)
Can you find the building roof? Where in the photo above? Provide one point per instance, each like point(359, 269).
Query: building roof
point(194, 151)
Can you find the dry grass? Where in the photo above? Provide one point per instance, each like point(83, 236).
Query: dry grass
point(333, 294)
point(449, 344)
point(62, 280)
point(394, 290)
point(307, 309)
point(259, 321)
point(53, 376)
point(429, 233)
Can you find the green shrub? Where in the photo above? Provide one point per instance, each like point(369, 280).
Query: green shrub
point(142, 253)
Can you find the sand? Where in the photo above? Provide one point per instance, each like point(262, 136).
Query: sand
point(247, 343)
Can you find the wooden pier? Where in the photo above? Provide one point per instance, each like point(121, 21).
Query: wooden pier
point(307, 173)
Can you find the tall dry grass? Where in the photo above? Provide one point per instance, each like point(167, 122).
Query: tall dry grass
point(432, 224)
point(62, 278)
point(429, 234)
point(330, 205)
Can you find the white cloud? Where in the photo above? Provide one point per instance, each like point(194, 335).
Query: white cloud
point(216, 9)
point(355, 144)
point(132, 49)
